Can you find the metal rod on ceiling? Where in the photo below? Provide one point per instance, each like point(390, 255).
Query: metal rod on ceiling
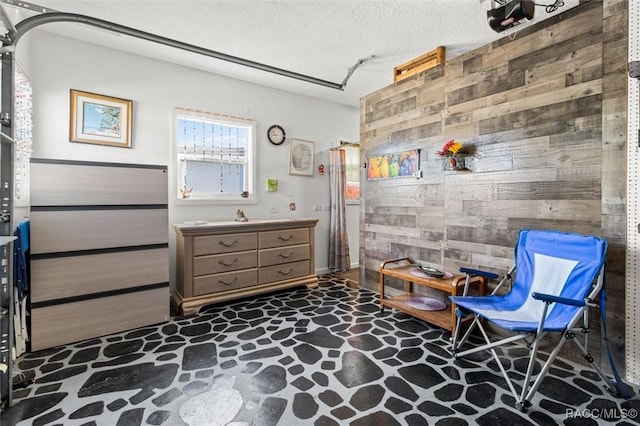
point(353, 68)
point(29, 23)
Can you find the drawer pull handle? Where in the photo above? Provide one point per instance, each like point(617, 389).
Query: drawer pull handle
point(285, 255)
point(222, 262)
point(227, 244)
point(287, 238)
point(227, 283)
point(285, 272)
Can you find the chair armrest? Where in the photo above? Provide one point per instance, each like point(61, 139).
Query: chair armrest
point(488, 275)
point(565, 301)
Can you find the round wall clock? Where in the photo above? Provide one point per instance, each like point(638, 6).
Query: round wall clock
point(276, 134)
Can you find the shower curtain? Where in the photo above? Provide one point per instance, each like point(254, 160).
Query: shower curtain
point(338, 240)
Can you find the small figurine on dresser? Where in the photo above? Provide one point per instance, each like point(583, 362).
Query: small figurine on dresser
point(186, 192)
point(240, 217)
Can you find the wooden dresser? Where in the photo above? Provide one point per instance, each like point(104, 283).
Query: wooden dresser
point(99, 249)
point(219, 261)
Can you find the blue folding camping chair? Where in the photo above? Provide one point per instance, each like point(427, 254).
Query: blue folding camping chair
point(558, 277)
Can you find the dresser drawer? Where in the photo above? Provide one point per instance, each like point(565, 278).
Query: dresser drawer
point(285, 237)
point(205, 265)
point(94, 185)
point(279, 255)
point(84, 319)
point(76, 230)
point(216, 244)
point(284, 272)
point(61, 277)
point(222, 282)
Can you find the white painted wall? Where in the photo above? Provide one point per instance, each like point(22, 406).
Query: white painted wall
point(58, 64)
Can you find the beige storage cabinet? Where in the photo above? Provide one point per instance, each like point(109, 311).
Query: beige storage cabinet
point(220, 261)
point(99, 249)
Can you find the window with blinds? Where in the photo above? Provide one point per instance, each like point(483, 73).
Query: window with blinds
point(214, 156)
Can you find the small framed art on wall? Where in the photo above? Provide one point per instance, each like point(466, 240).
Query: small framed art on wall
point(100, 119)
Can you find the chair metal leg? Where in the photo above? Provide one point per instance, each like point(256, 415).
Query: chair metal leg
point(541, 375)
point(459, 319)
point(455, 336)
point(497, 358)
point(492, 344)
point(457, 345)
point(568, 334)
point(532, 359)
point(609, 383)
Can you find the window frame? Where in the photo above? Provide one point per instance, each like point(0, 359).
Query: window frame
point(352, 155)
point(251, 166)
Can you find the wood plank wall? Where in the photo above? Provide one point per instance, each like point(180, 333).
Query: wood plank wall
point(544, 115)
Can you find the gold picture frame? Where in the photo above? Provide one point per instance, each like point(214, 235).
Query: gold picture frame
point(100, 119)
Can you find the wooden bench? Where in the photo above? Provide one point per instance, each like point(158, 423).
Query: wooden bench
point(402, 269)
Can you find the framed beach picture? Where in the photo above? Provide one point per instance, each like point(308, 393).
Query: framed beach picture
point(99, 119)
point(301, 157)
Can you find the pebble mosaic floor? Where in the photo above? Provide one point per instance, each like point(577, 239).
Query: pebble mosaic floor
point(300, 357)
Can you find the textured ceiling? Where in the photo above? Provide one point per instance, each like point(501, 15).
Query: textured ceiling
point(319, 38)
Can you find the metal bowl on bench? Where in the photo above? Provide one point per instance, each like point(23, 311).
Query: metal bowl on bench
point(432, 272)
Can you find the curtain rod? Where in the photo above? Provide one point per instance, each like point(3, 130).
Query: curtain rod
point(212, 114)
